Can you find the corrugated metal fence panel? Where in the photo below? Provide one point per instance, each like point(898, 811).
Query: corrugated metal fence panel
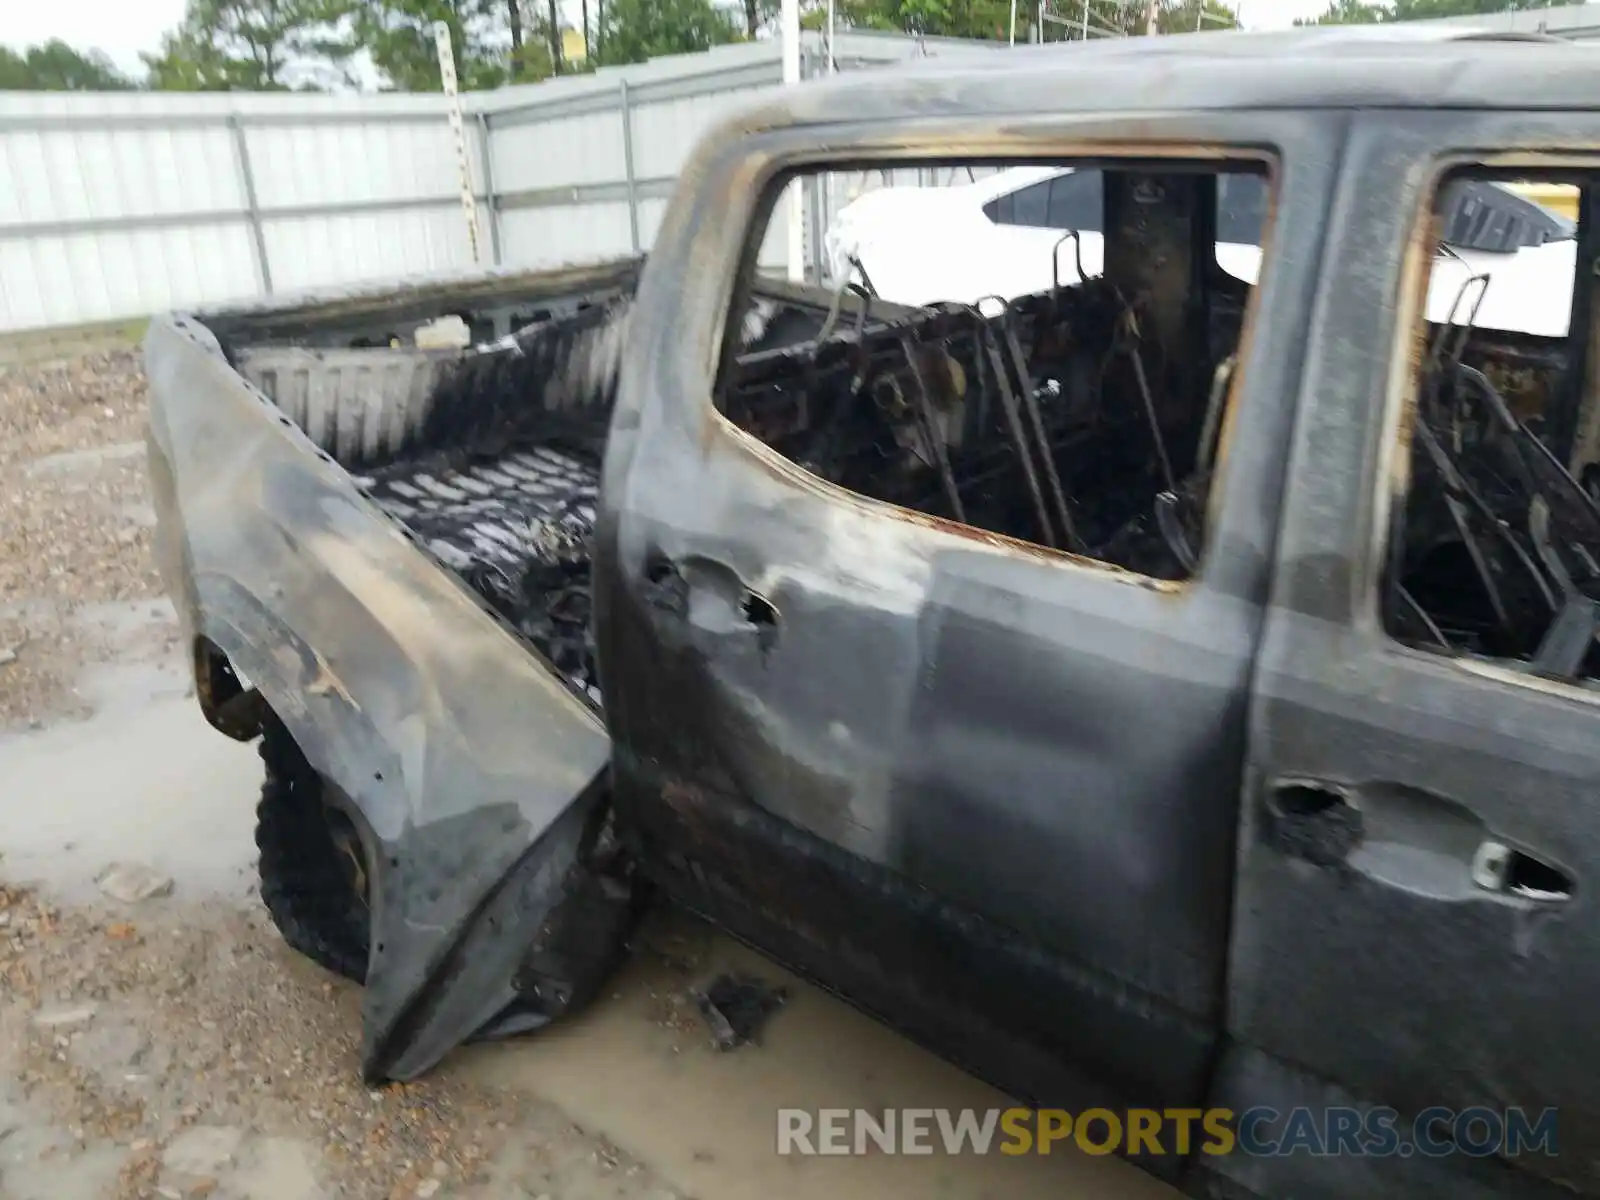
point(401, 172)
point(560, 151)
point(299, 165)
point(556, 235)
point(105, 275)
point(91, 219)
point(118, 206)
point(314, 251)
point(665, 131)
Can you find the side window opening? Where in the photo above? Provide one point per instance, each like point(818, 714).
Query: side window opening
point(1493, 549)
point(1241, 209)
point(1076, 202)
point(1082, 418)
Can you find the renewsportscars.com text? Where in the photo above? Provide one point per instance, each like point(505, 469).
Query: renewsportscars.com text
point(1261, 1132)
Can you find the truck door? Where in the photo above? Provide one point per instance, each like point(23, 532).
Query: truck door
point(985, 788)
point(1415, 925)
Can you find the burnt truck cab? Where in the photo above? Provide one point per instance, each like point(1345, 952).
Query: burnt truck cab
point(1167, 691)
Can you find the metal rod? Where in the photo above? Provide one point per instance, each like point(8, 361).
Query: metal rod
point(490, 200)
point(789, 32)
point(1085, 34)
point(1013, 19)
point(833, 61)
point(1030, 404)
point(1150, 414)
point(630, 178)
point(222, 216)
point(247, 183)
point(447, 75)
point(1019, 440)
point(930, 430)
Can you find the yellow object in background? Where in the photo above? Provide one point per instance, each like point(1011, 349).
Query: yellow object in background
point(1558, 197)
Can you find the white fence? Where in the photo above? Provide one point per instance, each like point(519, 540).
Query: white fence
point(118, 205)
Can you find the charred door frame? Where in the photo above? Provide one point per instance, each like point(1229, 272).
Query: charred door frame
point(1363, 954)
point(1135, 999)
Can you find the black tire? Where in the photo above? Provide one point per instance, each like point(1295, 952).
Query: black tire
point(310, 883)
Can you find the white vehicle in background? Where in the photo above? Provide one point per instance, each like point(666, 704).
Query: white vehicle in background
point(1024, 230)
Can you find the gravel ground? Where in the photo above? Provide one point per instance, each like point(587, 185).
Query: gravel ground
point(155, 1052)
point(172, 1047)
point(75, 523)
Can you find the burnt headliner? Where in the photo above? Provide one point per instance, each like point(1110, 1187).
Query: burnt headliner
point(1351, 67)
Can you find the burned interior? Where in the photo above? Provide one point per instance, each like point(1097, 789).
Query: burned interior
point(1084, 418)
point(1494, 547)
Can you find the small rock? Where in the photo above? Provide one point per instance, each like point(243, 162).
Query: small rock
point(8, 655)
point(202, 1150)
point(60, 1018)
point(131, 883)
point(426, 1188)
point(440, 1168)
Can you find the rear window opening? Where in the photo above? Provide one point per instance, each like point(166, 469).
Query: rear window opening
point(986, 366)
point(1493, 550)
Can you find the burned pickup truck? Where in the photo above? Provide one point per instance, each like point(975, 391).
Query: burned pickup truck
point(1174, 688)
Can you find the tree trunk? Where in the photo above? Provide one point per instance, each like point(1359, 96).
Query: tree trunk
point(514, 14)
point(588, 49)
point(752, 19)
point(555, 37)
point(1150, 18)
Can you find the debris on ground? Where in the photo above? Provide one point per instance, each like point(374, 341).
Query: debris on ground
point(736, 1007)
point(132, 883)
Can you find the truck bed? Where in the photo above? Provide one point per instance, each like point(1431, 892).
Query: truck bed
point(490, 454)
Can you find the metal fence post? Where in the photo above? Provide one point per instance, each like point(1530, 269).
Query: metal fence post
point(627, 164)
point(490, 200)
point(247, 181)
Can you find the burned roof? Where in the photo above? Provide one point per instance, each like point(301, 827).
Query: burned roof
point(1351, 67)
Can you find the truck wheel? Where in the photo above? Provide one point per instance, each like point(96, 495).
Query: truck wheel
point(312, 870)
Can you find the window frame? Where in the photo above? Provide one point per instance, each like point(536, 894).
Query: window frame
point(1209, 157)
point(1391, 480)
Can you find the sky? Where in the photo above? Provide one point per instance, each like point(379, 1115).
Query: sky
point(122, 28)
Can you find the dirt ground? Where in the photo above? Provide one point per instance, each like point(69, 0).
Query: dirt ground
point(157, 1039)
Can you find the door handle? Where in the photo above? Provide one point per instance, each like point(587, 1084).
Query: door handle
point(1507, 871)
point(1409, 839)
point(708, 597)
point(1313, 821)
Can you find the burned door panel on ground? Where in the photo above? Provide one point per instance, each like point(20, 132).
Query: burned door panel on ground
point(985, 787)
point(1419, 844)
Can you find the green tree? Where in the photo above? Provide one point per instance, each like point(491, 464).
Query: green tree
point(1373, 12)
point(634, 30)
point(54, 66)
point(254, 45)
point(399, 36)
